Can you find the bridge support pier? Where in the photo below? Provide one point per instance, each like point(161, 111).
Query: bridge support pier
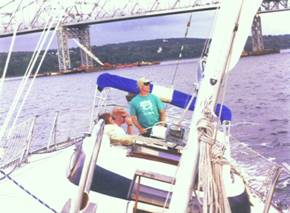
point(257, 36)
point(81, 33)
point(64, 62)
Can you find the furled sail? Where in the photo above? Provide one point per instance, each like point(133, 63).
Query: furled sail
point(229, 36)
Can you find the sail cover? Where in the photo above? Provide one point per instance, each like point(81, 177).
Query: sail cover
point(178, 98)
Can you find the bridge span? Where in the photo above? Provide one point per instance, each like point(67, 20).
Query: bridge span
point(75, 16)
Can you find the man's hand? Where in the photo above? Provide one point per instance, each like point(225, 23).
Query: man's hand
point(136, 123)
point(129, 121)
point(142, 131)
point(162, 117)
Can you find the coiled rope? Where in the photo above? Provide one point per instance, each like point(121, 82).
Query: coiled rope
point(210, 179)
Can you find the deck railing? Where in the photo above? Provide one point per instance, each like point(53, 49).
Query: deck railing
point(50, 131)
point(43, 133)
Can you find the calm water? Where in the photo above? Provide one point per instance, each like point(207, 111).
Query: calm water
point(258, 94)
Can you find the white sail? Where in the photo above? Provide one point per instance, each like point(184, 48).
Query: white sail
point(229, 36)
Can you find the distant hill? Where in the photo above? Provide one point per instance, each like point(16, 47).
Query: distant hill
point(129, 52)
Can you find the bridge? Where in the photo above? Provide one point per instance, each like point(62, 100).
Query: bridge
point(73, 18)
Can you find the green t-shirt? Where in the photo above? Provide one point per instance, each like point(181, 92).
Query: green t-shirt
point(146, 109)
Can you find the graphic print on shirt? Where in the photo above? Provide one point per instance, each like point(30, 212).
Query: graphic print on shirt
point(147, 107)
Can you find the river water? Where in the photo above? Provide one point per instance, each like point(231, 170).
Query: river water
point(258, 94)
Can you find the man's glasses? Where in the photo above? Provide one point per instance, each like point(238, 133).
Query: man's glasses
point(146, 83)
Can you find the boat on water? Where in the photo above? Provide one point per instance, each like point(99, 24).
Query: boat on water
point(187, 168)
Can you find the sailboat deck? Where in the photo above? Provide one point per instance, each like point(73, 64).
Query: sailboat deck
point(154, 196)
point(154, 153)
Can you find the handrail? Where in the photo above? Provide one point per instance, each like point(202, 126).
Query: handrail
point(28, 141)
point(62, 131)
point(52, 135)
point(89, 167)
point(269, 196)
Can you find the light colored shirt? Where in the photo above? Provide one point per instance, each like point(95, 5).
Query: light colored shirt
point(113, 129)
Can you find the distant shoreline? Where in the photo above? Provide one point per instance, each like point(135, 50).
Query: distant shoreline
point(127, 54)
point(132, 65)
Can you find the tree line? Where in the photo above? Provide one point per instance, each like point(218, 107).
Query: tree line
point(131, 52)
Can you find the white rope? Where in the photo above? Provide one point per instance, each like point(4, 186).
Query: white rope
point(24, 78)
point(210, 170)
point(35, 74)
point(210, 179)
point(10, 50)
point(23, 84)
point(222, 202)
point(8, 60)
point(43, 33)
point(19, 93)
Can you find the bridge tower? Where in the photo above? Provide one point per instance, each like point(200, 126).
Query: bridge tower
point(81, 33)
point(64, 62)
point(257, 36)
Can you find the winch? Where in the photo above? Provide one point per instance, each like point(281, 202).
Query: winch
point(175, 133)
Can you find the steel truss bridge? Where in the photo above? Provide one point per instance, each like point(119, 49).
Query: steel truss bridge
point(75, 17)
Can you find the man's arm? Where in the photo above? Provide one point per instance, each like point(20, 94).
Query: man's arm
point(129, 123)
point(160, 106)
point(162, 114)
point(136, 123)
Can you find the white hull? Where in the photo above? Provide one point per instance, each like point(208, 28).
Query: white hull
point(45, 177)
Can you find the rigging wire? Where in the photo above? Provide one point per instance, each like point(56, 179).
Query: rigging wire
point(201, 58)
point(21, 89)
point(214, 170)
point(37, 70)
point(36, 48)
point(178, 63)
point(190, 101)
point(23, 83)
point(8, 59)
point(181, 49)
point(16, 26)
point(181, 118)
point(226, 70)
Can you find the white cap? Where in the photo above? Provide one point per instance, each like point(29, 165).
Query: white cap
point(142, 80)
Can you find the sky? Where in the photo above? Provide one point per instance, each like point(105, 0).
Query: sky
point(172, 26)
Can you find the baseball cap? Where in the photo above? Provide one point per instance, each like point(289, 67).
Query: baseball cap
point(142, 80)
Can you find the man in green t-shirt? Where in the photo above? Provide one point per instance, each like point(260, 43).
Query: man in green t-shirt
point(146, 109)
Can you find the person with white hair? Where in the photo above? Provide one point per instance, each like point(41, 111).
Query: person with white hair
point(146, 109)
point(114, 131)
point(120, 117)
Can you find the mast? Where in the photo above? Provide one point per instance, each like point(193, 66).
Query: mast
point(232, 28)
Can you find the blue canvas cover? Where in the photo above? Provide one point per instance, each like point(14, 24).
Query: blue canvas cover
point(179, 99)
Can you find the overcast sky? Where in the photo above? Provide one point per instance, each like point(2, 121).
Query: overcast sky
point(158, 27)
